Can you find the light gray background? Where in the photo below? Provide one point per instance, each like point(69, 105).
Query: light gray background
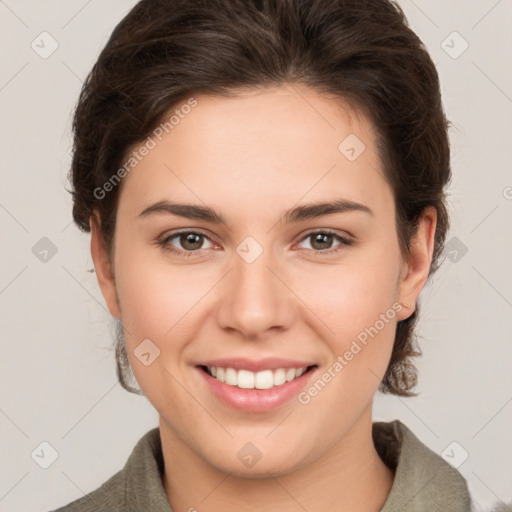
point(57, 368)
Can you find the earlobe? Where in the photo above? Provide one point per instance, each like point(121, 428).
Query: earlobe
point(416, 269)
point(103, 267)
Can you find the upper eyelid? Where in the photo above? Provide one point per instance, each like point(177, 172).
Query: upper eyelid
point(184, 231)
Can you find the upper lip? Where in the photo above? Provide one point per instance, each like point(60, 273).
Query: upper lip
point(270, 363)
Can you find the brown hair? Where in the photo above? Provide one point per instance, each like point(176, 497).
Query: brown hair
point(361, 51)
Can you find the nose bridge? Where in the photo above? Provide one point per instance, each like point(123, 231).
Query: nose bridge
point(255, 299)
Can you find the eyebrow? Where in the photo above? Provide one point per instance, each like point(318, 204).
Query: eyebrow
point(297, 214)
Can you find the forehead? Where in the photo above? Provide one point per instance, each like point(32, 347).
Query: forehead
point(274, 119)
point(259, 146)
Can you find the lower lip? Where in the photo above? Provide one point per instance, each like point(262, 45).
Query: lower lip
point(256, 400)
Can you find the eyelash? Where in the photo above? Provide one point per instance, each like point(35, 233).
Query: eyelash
point(164, 243)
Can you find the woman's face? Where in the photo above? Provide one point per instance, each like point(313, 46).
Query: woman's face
point(277, 286)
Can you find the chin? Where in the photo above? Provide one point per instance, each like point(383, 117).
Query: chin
point(260, 471)
point(251, 463)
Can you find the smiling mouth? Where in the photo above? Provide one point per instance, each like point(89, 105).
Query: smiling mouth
point(265, 379)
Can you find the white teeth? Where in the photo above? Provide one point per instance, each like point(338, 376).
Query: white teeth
point(264, 380)
point(279, 377)
point(246, 379)
point(290, 374)
point(231, 377)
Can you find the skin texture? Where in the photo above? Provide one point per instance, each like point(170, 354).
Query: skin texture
point(252, 157)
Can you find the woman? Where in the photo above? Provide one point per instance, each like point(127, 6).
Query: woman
point(264, 183)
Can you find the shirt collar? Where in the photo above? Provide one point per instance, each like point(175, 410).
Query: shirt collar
point(423, 480)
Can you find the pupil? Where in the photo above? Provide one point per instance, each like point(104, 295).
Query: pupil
point(324, 239)
point(189, 239)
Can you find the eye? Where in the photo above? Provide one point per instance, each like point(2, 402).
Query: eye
point(322, 241)
point(190, 242)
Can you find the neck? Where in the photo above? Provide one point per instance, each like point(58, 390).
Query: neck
point(351, 475)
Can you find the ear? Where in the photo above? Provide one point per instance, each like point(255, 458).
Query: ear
point(414, 273)
point(103, 267)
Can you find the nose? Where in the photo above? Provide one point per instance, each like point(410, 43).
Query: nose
point(255, 301)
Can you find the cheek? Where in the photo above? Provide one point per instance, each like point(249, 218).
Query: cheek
point(352, 295)
point(357, 302)
point(158, 303)
point(156, 296)
point(360, 347)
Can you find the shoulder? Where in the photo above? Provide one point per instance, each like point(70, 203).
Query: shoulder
point(423, 479)
point(137, 486)
point(111, 494)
